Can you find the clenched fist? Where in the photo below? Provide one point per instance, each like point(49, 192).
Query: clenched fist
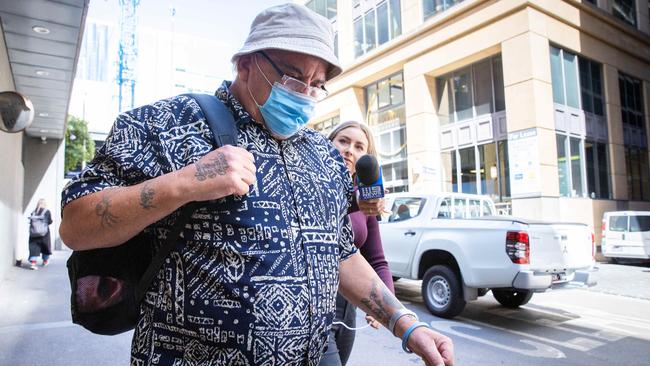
point(222, 172)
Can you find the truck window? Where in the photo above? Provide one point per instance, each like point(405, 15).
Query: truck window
point(444, 212)
point(639, 223)
point(459, 208)
point(487, 209)
point(406, 208)
point(474, 208)
point(618, 223)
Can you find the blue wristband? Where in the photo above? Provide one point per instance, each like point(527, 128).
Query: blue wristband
point(407, 334)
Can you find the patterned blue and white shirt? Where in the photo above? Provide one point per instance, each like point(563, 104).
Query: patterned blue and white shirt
point(253, 280)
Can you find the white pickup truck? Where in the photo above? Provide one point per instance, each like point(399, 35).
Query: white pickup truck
point(460, 249)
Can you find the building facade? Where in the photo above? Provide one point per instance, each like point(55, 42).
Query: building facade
point(542, 105)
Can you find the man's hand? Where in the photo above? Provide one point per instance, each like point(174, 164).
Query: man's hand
point(222, 172)
point(371, 207)
point(434, 348)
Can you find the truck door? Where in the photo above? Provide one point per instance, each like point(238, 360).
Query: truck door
point(616, 234)
point(638, 238)
point(400, 233)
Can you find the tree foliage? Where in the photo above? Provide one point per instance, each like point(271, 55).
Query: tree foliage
point(79, 147)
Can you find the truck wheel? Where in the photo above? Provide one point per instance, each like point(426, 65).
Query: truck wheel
point(512, 298)
point(442, 292)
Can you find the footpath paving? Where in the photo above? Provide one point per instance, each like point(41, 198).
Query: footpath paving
point(35, 324)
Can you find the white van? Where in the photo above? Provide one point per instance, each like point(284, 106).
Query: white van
point(626, 234)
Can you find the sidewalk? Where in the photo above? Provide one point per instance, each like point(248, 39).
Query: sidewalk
point(35, 325)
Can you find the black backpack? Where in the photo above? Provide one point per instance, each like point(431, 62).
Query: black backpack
point(108, 284)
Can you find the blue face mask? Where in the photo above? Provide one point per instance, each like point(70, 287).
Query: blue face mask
point(285, 111)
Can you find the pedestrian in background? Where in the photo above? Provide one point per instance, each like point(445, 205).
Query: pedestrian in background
point(39, 235)
point(353, 140)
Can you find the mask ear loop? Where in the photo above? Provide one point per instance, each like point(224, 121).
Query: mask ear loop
point(265, 78)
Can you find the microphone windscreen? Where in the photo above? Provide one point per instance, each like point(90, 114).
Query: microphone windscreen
point(367, 169)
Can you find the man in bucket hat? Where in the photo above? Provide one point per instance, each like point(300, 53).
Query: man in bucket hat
point(254, 276)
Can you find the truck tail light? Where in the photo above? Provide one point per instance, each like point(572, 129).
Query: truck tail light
point(518, 247)
point(602, 228)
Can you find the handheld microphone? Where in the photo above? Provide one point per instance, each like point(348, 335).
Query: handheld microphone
point(369, 180)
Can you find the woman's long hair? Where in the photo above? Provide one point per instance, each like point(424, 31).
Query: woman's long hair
point(363, 127)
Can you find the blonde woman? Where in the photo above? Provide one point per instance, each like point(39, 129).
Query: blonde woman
point(353, 140)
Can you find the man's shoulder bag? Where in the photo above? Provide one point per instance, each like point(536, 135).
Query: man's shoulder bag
point(109, 284)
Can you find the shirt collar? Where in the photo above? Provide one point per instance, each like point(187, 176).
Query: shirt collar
point(241, 115)
point(238, 111)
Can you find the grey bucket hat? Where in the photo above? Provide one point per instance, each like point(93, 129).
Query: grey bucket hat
point(293, 27)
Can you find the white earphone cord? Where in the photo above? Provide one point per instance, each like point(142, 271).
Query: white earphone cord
point(350, 328)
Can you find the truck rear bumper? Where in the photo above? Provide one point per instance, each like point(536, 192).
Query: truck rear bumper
point(529, 280)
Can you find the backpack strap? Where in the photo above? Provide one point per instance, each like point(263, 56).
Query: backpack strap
point(220, 118)
point(224, 129)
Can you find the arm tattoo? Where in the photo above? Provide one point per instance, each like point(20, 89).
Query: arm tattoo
point(381, 307)
point(216, 166)
point(102, 210)
point(146, 196)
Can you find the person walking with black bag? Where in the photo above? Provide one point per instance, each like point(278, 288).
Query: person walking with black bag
point(40, 243)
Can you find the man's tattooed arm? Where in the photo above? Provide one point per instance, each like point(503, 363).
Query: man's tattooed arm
point(381, 303)
point(212, 168)
point(146, 196)
point(102, 209)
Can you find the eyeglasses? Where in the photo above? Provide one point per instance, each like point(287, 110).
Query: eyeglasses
point(318, 93)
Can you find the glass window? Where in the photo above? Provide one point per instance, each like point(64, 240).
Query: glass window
point(556, 76)
point(371, 97)
point(327, 125)
point(383, 93)
point(603, 171)
point(591, 86)
point(625, 10)
point(382, 23)
point(331, 9)
point(497, 72)
point(474, 207)
point(454, 172)
point(571, 80)
point(487, 209)
point(470, 92)
point(395, 18)
point(433, 7)
point(378, 26)
point(563, 165)
point(636, 151)
point(396, 90)
point(597, 169)
point(358, 37)
point(459, 208)
point(489, 170)
point(405, 208)
point(639, 223)
point(618, 223)
point(462, 84)
point(369, 31)
point(504, 170)
point(483, 87)
point(636, 161)
point(326, 8)
point(444, 212)
point(576, 166)
point(468, 170)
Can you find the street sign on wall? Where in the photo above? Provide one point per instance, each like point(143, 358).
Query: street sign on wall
point(525, 171)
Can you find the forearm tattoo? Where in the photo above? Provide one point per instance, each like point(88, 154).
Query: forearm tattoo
point(210, 169)
point(381, 306)
point(146, 196)
point(102, 209)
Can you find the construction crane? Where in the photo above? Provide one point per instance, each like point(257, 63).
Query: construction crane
point(128, 54)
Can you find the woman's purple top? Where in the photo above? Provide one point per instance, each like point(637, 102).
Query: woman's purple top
point(368, 240)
